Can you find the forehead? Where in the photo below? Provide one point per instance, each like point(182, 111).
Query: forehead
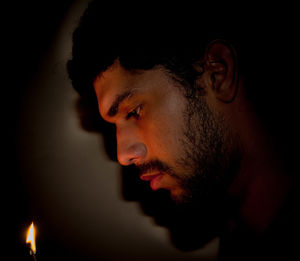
point(116, 80)
point(110, 83)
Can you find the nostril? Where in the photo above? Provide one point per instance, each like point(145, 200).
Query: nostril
point(134, 160)
point(132, 154)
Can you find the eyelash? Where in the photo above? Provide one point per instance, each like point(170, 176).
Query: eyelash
point(134, 113)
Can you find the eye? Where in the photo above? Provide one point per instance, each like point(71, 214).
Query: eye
point(134, 113)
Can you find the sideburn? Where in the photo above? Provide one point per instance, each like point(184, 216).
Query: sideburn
point(208, 151)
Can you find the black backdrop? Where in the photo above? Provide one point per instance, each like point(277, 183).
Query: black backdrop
point(27, 30)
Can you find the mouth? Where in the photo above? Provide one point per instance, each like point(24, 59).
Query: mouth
point(154, 180)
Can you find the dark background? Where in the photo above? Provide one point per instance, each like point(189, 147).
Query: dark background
point(48, 177)
point(28, 29)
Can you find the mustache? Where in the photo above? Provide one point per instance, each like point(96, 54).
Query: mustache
point(153, 166)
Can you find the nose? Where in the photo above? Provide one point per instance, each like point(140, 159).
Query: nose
point(132, 154)
point(130, 149)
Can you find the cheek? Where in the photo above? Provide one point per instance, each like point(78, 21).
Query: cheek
point(163, 122)
point(163, 135)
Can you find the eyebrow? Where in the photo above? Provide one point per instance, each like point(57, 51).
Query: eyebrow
point(113, 110)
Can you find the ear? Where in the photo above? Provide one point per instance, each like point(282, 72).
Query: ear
point(219, 70)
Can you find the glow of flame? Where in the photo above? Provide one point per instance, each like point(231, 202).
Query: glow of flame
point(31, 238)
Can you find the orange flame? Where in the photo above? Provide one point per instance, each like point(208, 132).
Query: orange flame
point(31, 238)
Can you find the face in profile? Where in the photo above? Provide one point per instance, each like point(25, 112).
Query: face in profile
point(178, 143)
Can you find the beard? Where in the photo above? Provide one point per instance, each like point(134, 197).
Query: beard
point(210, 160)
point(210, 156)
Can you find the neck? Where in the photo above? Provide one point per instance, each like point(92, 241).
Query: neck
point(261, 185)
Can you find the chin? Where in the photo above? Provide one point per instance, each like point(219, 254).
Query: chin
point(178, 195)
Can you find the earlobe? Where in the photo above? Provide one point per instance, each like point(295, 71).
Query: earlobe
point(221, 70)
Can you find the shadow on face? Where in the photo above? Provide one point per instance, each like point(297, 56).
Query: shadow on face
point(189, 227)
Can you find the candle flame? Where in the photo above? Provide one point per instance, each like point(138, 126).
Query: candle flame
point(31, 238)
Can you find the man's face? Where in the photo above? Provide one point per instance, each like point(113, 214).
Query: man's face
point(178, 144)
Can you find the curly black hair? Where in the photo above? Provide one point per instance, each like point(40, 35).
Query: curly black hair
point(174, 39)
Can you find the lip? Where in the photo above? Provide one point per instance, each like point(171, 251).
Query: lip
point(154, 180)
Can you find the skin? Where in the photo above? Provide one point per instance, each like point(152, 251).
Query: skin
point(152, 122)
point(139, 138)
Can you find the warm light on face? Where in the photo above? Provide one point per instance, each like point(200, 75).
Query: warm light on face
point(31, 238)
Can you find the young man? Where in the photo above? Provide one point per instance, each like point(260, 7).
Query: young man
point(179, 93)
